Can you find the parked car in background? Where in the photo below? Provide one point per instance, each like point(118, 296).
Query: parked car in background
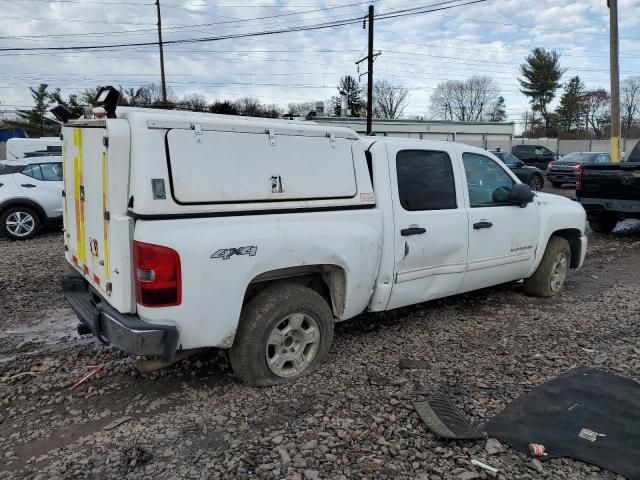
point(565, 169)
point(610, 192)
point(30, 196)
point(532, 176)
point(535, 155)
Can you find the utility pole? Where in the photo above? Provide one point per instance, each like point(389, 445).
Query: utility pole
point(369, 58)
point(164, 83)
point(370, 74)
point(615, 80)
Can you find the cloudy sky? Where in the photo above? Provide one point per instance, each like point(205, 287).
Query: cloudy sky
point(418, 50)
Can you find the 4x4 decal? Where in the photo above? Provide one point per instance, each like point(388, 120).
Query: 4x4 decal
point(227, 253)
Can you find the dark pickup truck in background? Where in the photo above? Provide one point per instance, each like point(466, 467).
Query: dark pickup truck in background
point(610, 193)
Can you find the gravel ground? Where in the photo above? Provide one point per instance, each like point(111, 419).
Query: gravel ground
point(195, 420)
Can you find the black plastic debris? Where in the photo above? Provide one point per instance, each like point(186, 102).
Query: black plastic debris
point(586, 414)
point(444, 419)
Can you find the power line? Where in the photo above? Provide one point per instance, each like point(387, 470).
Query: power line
point(183, 27)
point(324, 25)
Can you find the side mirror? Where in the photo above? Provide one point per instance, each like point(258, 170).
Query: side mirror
point(518, 164)
point(521, 194)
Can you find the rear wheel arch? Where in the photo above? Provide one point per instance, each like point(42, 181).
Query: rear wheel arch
point(329, 280)
point(25, 202)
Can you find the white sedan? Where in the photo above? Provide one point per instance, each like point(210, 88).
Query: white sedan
point(30, 195)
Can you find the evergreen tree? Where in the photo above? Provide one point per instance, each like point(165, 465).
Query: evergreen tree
point(34, 121)
point(570, 111)
point(498, 111)
point(542, 73)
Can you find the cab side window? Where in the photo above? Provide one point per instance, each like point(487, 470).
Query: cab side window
point(425, 180)
point(33, 171)
point(487, 182)
point(51, 171)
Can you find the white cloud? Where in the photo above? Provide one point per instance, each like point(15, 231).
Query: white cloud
point(418, 51)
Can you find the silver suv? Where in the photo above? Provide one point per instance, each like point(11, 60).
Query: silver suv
point(30, 196)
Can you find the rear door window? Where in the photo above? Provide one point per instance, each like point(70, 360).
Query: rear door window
point(425, 180)
point(33, 171)
point(51, 171)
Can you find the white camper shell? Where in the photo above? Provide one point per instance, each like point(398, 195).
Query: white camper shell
point(189, 230)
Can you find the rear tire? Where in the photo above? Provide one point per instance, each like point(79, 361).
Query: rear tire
point(19, 223)
point(548, 279)
point(536, 183)
point(285, 333)
point(556, 184)
point(603, 223)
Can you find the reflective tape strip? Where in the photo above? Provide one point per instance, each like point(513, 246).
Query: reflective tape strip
point(76, 190)
point(77, 163)
point(64, 186)
point(104, 216)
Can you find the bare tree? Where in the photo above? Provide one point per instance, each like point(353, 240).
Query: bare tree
point(389, 101)
point(629, 102)
point(300, 109)
point(251, 107)
point(465, 101)
point(596, 106)
point(195, 102)
point(150, 95)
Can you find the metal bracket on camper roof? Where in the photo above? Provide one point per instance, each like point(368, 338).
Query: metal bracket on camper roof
point(198, 131)
point(332, 139)
point(272, 136)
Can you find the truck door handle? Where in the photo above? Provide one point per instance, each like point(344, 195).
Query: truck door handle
point(28, 185)
point(412, 231)
point(483, 224)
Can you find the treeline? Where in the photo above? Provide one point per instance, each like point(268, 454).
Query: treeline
point(580, 111)
point(390, 100)
point(38, 122)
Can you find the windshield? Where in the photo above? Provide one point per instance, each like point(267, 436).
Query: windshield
point(634, 156)
point(509, 159)
point(578, 157)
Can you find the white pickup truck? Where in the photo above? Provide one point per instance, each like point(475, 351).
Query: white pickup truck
point(188, 230)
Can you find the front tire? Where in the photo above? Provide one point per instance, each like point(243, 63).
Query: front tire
point(603, 223)
point(285, 333)
point(19, 223)
point(548, 279)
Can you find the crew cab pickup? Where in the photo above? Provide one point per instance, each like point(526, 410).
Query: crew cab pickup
point(610, 193)
point(186, 230)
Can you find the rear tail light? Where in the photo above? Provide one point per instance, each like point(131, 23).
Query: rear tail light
point(576, 168)
point(157, 273)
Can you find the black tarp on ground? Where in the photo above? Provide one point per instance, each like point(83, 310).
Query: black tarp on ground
point(554, 413)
